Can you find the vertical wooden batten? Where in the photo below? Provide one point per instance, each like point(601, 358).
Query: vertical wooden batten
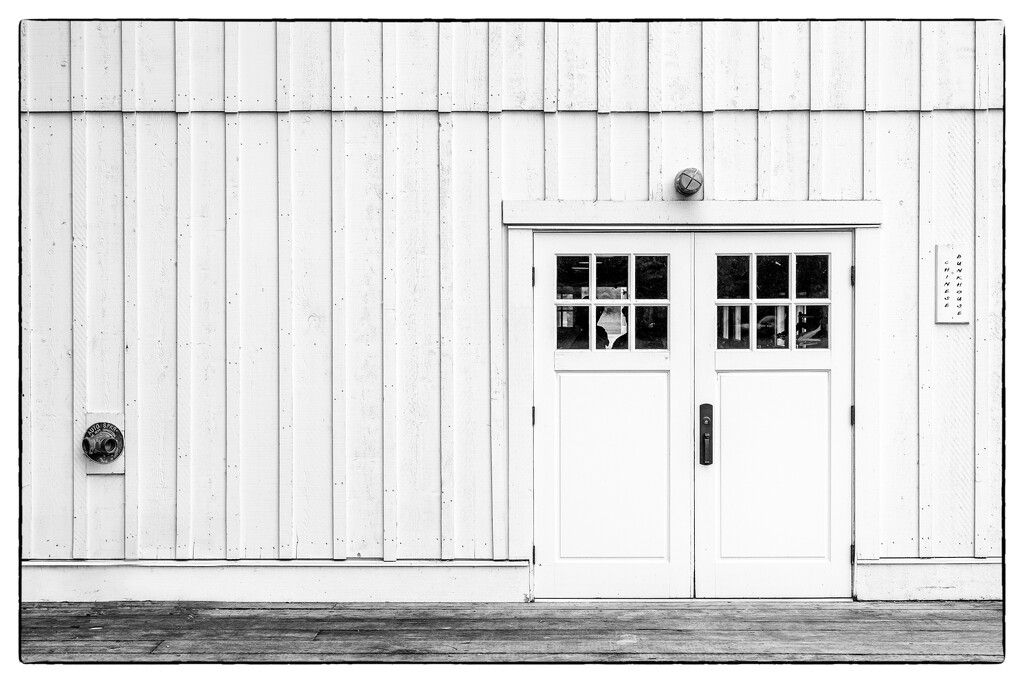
point(655, 157)
point(390, 322)
point(550, 110)
point(232, 290)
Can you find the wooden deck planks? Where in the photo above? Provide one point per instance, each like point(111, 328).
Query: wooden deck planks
point(690, 631)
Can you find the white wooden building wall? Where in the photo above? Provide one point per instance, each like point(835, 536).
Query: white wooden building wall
point(278, 249)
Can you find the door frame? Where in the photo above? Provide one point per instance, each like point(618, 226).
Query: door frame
point(522, 218)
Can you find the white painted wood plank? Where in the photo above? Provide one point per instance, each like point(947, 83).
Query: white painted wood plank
point(471, 333)
point(46, 66)
point(982, 297)
point(523, 65)
point(154, 66)
point(551, 128)
point(928, 581)
point(390, 330)
point(730, 65)
point(231, 56)
point(100, 72)
point(842, 154)
point(417, 365)
point(837, 65)
point(898, 77)
point(630, 166)
point(783, 155)
point(133, 466)
point(106, 516)
point(156, 442)
point(363, 66)
point(445, 57)
point(182, 62)
point(953, 345)
point(339, 311)
point(926, 278)
point(258, 335)
point(183, 408)
point(312, 188)
point(51, 448)
point(954, 64)
point(416, 66)
point(629, 66)
point(520, 326)
point(233, 330)
point(365, 347)
point(708, 143)
point(735, 152)
point(681, 147)
point(448, 493)
point(310, 66)
point(28, 157)
point(928, 76)
point(389, 66)
point(604, 156)
point(256, 65)
point(495, 43)
point(604, 68)
point(996, 69)
point(498, 357)
point(577, 66)
point(283, 65)
point(655, 62)
point(550, 66)
point(784, 79)
point(209, 325)
point(815, 163)
point(337, 75)
point(79, 274)
point(655, 157)
point(522, 160)
point(206, 40)
point(285, 313)
point(467, 52)
point(681, 49)
point(577, 155)
point(77, 65)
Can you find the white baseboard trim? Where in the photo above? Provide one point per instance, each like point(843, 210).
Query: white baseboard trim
point(930, 579)
point(264, 581)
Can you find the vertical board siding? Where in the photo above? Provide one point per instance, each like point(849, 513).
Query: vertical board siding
point(301, 308)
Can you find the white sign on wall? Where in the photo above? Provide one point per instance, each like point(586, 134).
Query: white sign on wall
point(951, 295)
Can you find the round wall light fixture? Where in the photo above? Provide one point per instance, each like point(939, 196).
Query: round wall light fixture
point(689, 181)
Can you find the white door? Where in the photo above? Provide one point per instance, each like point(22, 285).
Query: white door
point(614, 431)
point(772, 326)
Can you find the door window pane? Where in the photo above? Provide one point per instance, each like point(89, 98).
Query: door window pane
point(733, 277)
point(812, 276)
point(773, 276)
point(652, 277)
point(573, 281)
point(812, 327)
point(573, 324)
point(773, 327)
point(611, 327)
point(651, 327)
point(612, 277)
point(734, 327)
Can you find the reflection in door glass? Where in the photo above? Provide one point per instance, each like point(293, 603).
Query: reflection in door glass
point(573, 327)
point(773, 276)
point(773, 327)
point(611, 327)
point(652, 277)
point(652, 327)
point(612, 277)
point(812, 276)
point(573, 277)
point(734, 327)
point(811, 327)
point(733, 277)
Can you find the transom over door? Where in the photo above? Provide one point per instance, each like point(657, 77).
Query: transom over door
point(613, 434)
point(773, 363)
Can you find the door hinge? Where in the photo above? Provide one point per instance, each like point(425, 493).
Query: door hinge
point(853, 415)
point(533, 415)
point(853, 555)
point(853, 276)
point(533, 279)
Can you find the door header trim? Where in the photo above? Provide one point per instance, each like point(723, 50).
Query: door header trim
point(692, 215)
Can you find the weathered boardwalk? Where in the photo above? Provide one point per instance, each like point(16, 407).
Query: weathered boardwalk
point(691, 631)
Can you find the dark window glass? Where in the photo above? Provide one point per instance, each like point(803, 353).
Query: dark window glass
point(573, 327)
point(652, 277)
point(812, 327)
point(733, 277)
point(573, 281)
point(612, 277)
point(651, 327)
point(773, 327)
point(734, 327)
point(773, 276)
point(812, 277)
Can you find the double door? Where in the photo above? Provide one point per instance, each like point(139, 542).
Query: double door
point(692, 433)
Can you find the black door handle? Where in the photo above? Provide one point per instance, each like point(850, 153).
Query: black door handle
point(707, 424)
